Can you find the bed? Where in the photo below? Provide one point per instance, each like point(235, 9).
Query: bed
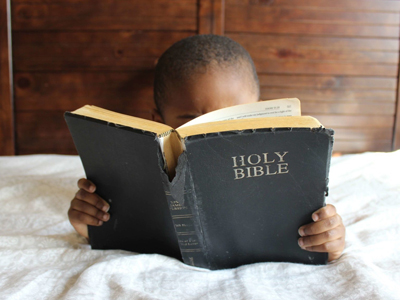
point(41, 256)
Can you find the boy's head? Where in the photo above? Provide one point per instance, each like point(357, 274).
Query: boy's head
point(200, 74)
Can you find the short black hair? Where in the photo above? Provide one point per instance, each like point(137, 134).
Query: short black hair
point(194, 55)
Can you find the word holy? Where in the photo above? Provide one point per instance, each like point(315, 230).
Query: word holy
point(256, 165)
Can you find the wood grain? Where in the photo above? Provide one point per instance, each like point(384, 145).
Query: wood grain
point(119, 91)
point(325, 68)
point(147, 63)
point(355, 5)
point(254, 42)
point(356, 121)
point(65, 91)
point(272, 14)
point(86, 50)
point(105, 15)
point(344, 109)
point(310, 19)
point(350, 56)
point(274, 53)
point(235, 25)
point(7, 138)
point(318, 82)
point(127, 50)
point(211, 17)
point(330, 95)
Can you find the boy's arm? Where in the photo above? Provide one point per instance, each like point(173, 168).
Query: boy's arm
point(87, 208)
point(325, 234)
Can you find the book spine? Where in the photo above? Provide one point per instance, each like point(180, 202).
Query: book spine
point(330, 132)
point(179, 194)
point(189, 242)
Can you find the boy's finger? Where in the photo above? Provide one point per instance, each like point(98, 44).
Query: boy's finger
point(324, 237)
point(88, 209)
point(87, 185)
point(93, 199)
point(323, 213)
point(82, 218)
point(335, 255)
point(320, 226)
point(332, 246)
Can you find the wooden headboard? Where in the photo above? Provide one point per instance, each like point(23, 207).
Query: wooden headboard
point(339, 57)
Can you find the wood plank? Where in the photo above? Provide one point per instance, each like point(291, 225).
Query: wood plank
point(325, 68)
point(109, 2)
point(211, 17)
point(357, 5)
point(327, 82)
point(122, 50)
point(49, 63)
point(238, 20)
point(330, 95)
point(234, 25)
point(53, 90)
point(157, 39)
point(358, 121)
point(47, 132)
point(340, 108)
point(80, 63)
point(274, 53)
point(272, 14)
point(67, 91)
point(113, 50)
point(7, 144)
point(94, 1)
point(321, 55)
point(143, 15)
point(256, 42)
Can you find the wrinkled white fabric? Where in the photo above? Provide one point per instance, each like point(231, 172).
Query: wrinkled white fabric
point(41, 257)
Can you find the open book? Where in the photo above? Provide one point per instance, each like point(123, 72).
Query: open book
point(228, 188)
point(235, 117)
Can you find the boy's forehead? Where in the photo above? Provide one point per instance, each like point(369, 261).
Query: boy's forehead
point(214, 89)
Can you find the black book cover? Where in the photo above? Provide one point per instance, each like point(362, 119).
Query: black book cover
point(238, 197)
point(124, 163)
point(253, 189)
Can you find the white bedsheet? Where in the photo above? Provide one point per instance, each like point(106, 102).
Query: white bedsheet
point(41, 257)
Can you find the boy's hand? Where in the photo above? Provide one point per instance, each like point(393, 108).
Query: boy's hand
point(87, 208)
point(325, 234)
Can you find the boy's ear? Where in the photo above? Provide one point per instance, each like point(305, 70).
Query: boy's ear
point(156, 116)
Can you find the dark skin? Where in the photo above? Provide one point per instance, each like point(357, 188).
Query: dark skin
point(215, 89)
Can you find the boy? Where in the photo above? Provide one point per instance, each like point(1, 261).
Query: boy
point(194, 76)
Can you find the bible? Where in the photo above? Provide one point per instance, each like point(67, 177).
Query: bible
point(228, 188)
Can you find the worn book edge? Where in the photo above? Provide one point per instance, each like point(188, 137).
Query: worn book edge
point(173, 140)
point(202, 258)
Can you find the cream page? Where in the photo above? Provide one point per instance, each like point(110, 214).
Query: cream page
point(270, 108)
